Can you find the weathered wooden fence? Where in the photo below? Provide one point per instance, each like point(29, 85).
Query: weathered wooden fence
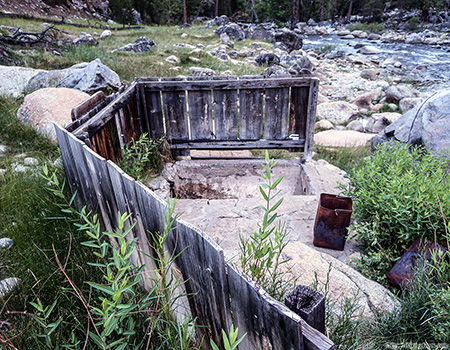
point(200, 113)
point(219, 294)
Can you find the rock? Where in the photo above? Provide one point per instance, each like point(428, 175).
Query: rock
point(184, 35)
point(364, 100)
point(259, 32)
point(8, 285)
point(280, 46)
point(46, 106)
point(369, 74)
point(373, 36)
point(85, 39)
point(3, 149)
point(225, 39)
point(19, 168)
point(15, 79)
point(173, 59)
point(267, 59)
point(342, 138)
point(30, 161)
point(408, 103)
point(427, 124)
point(185, 26)
point(395, 93)
point(105, 34)
point(6, 243)
point(94, 77)
point(142, 44)
point(344, 282)
point(201, 72)
point(290, 38)
point(277, 71)
point(323, 125)
point(222, 20)
point(370, 50)
point(355, 125)
point(336, 112)
point(300, 62)
point(2, 172)
point(231, 29)
point(413, 38)
point(382, 120)
point(344, 32)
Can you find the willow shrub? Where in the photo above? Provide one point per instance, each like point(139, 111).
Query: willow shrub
point(399, 194)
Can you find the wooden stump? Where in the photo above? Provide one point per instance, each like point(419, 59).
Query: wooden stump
point(309, 305)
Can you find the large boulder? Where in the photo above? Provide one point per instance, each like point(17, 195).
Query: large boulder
point(259, 32)
point(395, 93)
point(427, 124)
point(92, 78)
point(87, 77)
point(233, 30)
point(290, 38)
point(267, 59)
point(142, 44)
point(46, 106)
point(338, 112)
point(342, 138)
point(15, 79)
point(85, 39)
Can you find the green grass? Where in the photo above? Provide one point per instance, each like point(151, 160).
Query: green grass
point(367, 27)
point(345, 158)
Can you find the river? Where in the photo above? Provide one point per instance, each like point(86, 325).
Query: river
point(426, 66)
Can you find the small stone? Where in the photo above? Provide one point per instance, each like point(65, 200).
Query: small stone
point(6, 243)
point(201, 72)
point(19, 168)
point(323, 125)
point(30, 161)
point(105, 34)
point(355, 125)
point(184, 35)
point(369, 74)
point(2, 172)
point(8, 285)
point(173, 59)
point(3, 149)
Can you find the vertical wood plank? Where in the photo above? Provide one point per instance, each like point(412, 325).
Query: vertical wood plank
point(226, 112)
point(155, 112)
point(85, 180)
point(298, 111)
point(268, 323)
point(143, 108)
point(200, 113)
point(202, 264)
point(311, 118)
point(251, 102)
point(175, 113)
point(277, 114)
point(69, 165)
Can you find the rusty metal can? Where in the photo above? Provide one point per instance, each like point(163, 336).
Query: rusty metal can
point(332, 219)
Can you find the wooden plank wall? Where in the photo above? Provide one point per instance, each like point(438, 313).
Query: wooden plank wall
point(215, 293)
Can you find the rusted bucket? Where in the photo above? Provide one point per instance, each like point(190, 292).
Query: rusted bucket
point(420, 251)
point(332, 219)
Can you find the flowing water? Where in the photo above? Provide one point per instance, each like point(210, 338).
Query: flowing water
point(427, 66)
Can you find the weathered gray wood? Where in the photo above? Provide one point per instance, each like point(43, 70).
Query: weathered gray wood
point(276, 115)
point(200, 115)
point(84, 176)
point(251, 114)
point(298, 111)
point(248, 310)
point(226, 114)
point(175, 114)
point(309, 304)
point(311, 118)
point(69, 166)
point(242, 83)
point(202, 264)
point(86, 106)
point(261, 144)
point(116, 176)
point(98, 121)
point(314, 340)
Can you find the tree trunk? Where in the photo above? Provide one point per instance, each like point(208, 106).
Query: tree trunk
point(295, 13)
point(216, 11)
point(88, 4)
point(185, 11)
point(254, 11)
point(350, 8)
point(322, 10)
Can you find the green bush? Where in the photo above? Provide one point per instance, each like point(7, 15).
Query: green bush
point(367, 27)
point(399, 194)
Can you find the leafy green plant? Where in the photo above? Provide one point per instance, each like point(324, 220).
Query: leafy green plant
point(261, 253)
point(400, 194)
point(140, 156)
point(230, 341)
